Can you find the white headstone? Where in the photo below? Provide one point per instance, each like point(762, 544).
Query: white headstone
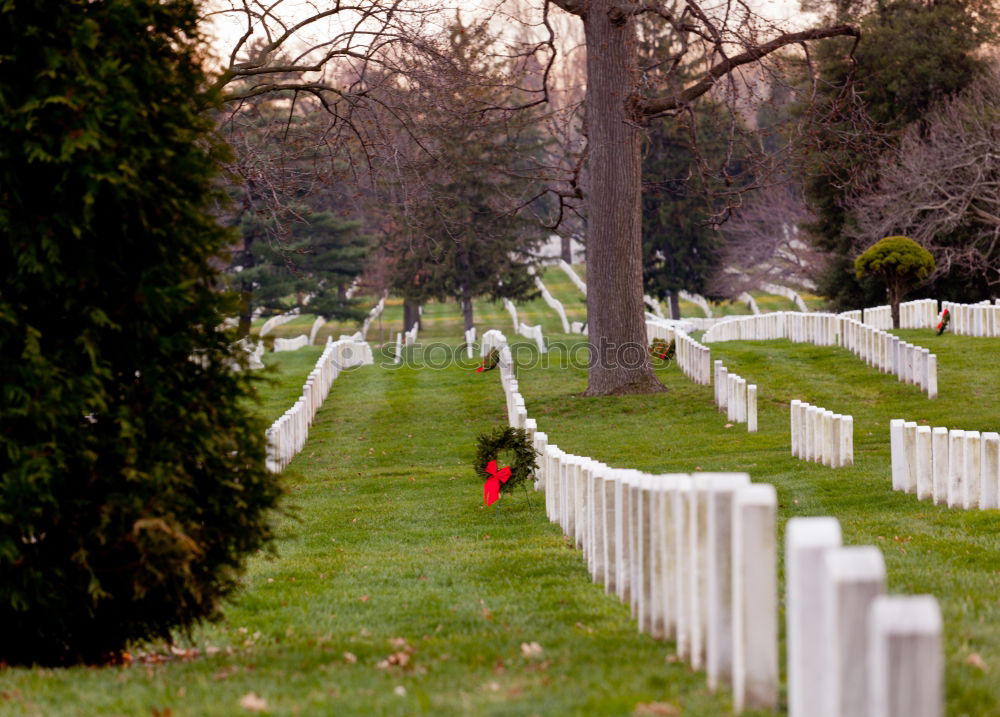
point(925, 474)
point(755, 599)
point(806, 542)
point(905, 657)
point(939, 464)
point(854, 577)
point(956, 468)
point(897, 452)
point(989, 489)
point(721, 491)
point(910, 448)
point(973, 472)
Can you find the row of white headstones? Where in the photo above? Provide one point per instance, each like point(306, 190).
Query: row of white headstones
point(302, 340)
point(693, 359)
point(876, 347)
point(695, 557)
point(822, 436)
point(957, 468)
point(287, 435)
point(736, 397)
point(981, 319)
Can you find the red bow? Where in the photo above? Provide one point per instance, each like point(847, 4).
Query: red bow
point(491, 488)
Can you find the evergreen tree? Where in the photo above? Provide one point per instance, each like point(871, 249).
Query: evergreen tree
point(132, 478)
point(680, 242)
point(912, 54)
point(308, 263)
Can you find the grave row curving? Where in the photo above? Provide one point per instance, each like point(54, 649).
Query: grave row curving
point(287, 435)
point(693, 358)
point(876, 347)
point(695, 558)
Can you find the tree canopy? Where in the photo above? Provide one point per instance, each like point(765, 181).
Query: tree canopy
point(900, 263)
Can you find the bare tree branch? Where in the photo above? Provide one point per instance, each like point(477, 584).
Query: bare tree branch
point(669, 103)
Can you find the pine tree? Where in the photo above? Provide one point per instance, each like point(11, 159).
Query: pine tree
point(680, 242)
point(307, 263)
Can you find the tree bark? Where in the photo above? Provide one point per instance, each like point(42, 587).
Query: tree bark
point(896, 291)
point(675, 305)
point(411, 314)
point(619, 362)
point(246, 311)
point(566, 248)
point(467, 312)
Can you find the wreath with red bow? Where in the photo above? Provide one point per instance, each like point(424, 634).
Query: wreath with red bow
point(663, 350)
point(509, 448)
point(943, 323)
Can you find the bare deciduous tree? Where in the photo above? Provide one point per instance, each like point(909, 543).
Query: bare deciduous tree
point(941, 187)
point(764, 244)
point(705, 49)
point(709, 43)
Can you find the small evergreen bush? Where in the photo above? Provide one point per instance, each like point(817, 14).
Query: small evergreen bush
point(899, 262)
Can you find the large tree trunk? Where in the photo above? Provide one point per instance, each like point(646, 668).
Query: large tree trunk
point(616, 322)
point(675, 305)
point(411, 314)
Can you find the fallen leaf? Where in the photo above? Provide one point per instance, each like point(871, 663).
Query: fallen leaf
point(396, 659)
point(976, 661)
point(165, 712)
point(655, 708)
point(728, 425)
point(225, 672)
point(400, 643)
point(252, 703)
point(493, 686)
point(363, 598)
point(400, 690)
point(350, 658)
point(531, 650)
point(581, 626)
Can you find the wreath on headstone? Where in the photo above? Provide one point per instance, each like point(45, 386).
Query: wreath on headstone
point(663, 350)
point(943, 323)
point(501, 445)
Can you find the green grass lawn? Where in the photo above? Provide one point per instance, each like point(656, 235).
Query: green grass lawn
point(393, 591)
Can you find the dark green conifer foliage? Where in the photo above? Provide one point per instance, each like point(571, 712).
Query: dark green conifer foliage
point(132, 483)
point(309, 264)
point(680, 244)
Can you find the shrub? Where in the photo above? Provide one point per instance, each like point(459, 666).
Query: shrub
point(132, 481)
point(900, 262)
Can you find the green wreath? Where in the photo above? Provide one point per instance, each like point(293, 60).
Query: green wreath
point(515, 443)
